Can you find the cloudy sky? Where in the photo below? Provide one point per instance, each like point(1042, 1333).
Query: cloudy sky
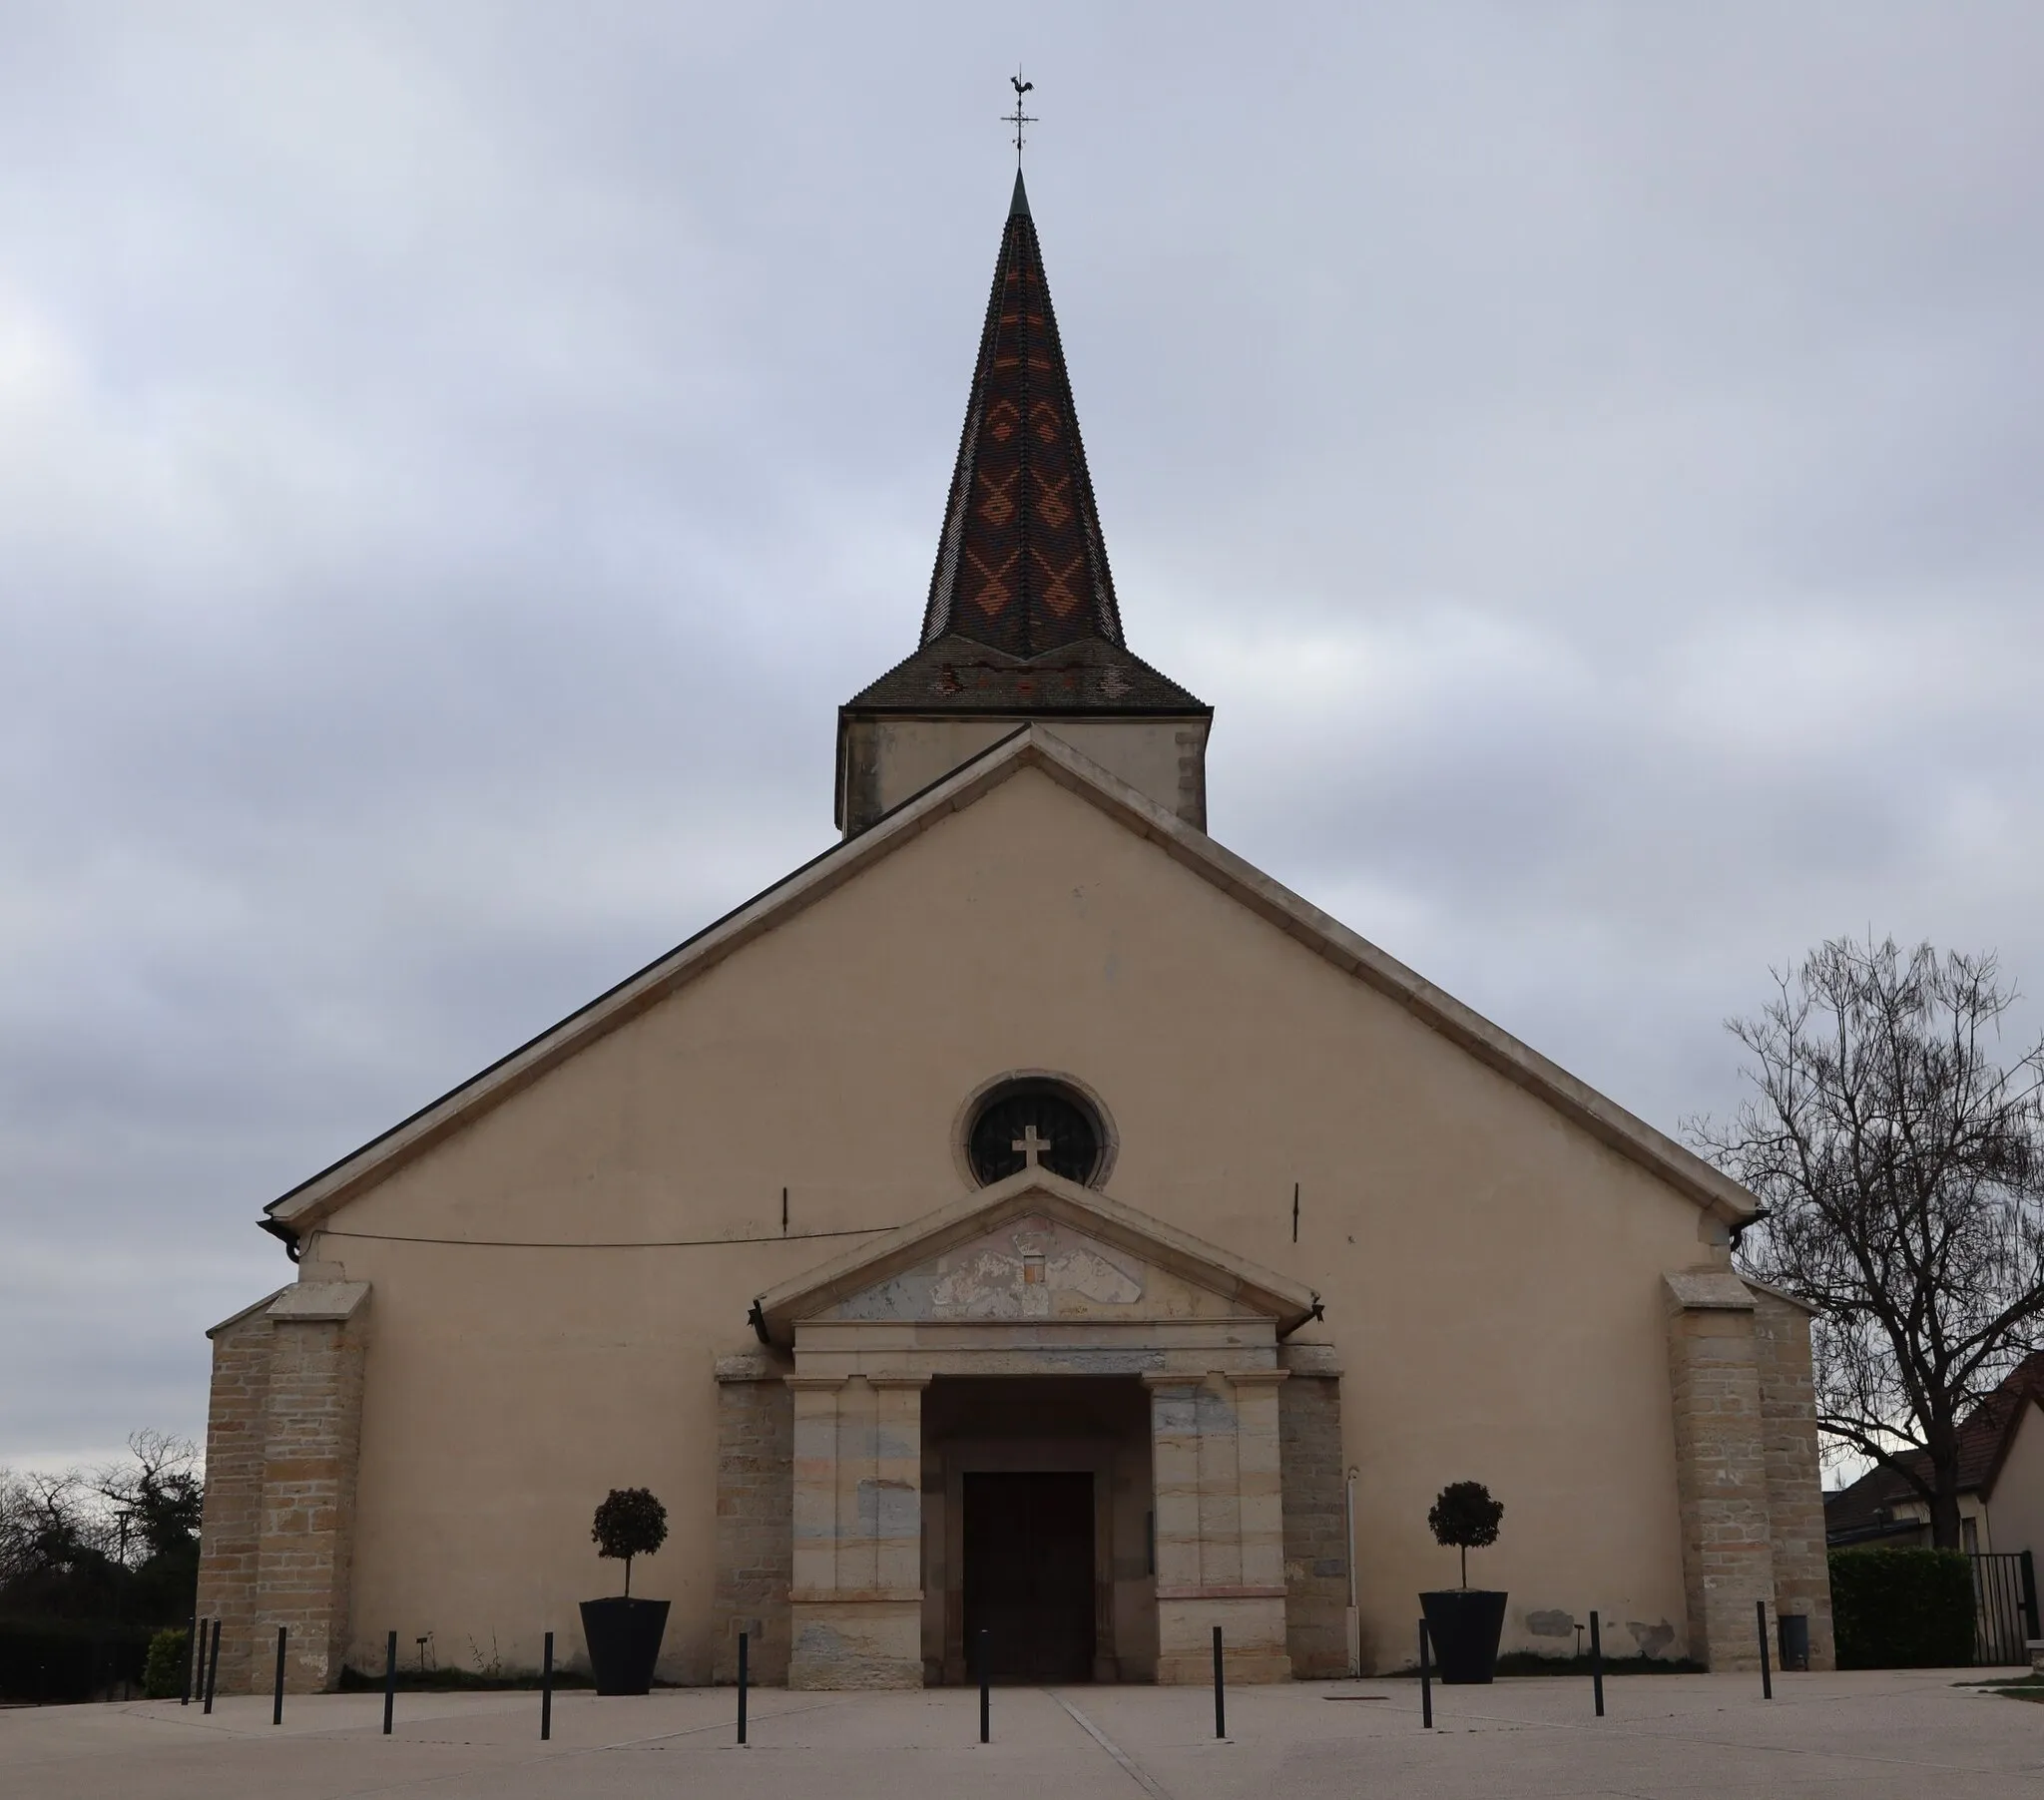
point(454, 459)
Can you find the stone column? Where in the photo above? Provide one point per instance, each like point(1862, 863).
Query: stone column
point(1220, 1525)
point(1219, 1465)
point(813, 1558)
point(1721, 1464)
point(857, 1600)
point(1175, 1477)
point(1261, 1479)
point(311, 1446)
point(896, 1507)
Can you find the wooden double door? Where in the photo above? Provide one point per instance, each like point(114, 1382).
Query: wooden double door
point(1029, 1576)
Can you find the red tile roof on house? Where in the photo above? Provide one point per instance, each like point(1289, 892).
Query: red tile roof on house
point(1984, 1439)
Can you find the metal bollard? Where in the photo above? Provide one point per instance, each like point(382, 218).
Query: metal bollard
point(546, 1690)
point(1597, 1665)
point(1425, 1680)
point(212, 1666)
point(276, 1700)
point(985, 1679)
point(389, 1680)
point(1220, 1696)
point(1767, 1673)
point(191, 1660)
point(742, 1674)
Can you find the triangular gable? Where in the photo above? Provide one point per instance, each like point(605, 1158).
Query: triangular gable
point(1039, 747)
point(1035, 1246)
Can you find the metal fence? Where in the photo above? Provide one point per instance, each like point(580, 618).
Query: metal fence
point(2004, 1607)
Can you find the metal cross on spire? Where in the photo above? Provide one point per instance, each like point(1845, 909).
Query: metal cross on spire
point(1018, 117)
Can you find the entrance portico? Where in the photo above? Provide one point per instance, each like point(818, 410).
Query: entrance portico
point(1017, 1290)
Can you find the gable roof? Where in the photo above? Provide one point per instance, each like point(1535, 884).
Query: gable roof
point(1031, 747)
point(1985, 1436)
point(1035, 1190)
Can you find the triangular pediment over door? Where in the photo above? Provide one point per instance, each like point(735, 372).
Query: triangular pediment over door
point(1039, 1268)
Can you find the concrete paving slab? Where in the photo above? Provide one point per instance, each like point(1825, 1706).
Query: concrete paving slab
point(1916, 1735)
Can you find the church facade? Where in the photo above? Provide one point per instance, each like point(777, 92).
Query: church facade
point(1026, 1225)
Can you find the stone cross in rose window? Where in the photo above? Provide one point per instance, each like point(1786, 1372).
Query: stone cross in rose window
point(1031, 1146)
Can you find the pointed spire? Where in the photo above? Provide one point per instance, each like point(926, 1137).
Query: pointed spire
point(1021, 565)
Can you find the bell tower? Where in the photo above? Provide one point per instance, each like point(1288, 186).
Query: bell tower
point(1022, 624)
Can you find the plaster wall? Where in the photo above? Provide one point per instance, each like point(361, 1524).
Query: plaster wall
point(1491, 1273)
point(2015, 1513)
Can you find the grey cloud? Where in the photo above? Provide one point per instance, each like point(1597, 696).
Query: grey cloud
point(454, 459)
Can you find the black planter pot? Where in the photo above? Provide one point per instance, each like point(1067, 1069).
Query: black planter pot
point(624, 1643)
point(1464, 1625)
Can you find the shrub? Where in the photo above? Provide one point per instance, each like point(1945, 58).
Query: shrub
point(1902, 1609)
point(1466, 1517)
point(163, 1675)
point(630, 1522)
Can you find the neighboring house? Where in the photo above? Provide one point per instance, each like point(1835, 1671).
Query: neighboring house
point(2001, 1479)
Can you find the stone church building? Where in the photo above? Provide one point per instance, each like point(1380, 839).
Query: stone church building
point(1025, 1217)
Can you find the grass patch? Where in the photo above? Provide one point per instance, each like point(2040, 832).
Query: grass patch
point(2019, 1687)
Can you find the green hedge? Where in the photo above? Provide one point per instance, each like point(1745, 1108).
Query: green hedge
point(47, 1661)
point(1902, 1609)
point(164, 1673)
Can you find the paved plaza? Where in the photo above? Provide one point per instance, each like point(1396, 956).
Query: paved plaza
point(1911, 1733)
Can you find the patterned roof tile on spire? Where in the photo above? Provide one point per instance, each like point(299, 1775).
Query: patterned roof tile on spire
point(1021, 565)
point(1022, 616)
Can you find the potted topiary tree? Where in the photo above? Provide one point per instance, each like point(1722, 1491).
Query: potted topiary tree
point(1465, 1624)
point(624, 1634)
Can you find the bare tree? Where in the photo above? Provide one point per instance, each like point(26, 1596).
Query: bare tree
point(155, 1496)
point(48, 1522)
point(1900, 1161)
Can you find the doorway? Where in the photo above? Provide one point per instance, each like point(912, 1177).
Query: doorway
point(1029, 1575)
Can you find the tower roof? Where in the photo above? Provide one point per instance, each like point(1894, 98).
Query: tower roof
point(1021, 565)
point(1022, 616)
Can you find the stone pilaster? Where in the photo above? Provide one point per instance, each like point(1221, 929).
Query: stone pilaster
point(230, 1536)
point(1260, 1478)
point(1214, 1458)
point(856, 1598)
point(312, 1448)
point(893, 1513)
point(1721, 1464)
point(1316, 1512)
point(755, 1517)
point(1218, 1422)
point(1796, 1503)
